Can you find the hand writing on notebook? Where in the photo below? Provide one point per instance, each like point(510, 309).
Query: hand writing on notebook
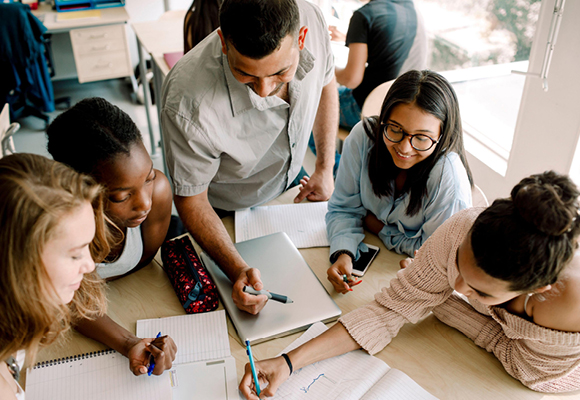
point(272, 372)
point(162, 349)
point(244, 301)
point(318, 187)
point(342, 266)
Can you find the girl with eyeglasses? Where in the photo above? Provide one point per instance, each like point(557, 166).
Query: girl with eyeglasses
point(402, 173)
point(507, 277)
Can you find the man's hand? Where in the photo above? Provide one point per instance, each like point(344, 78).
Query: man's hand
point(162, 349)
point(335, 34)
point(318, 187)
point(249, 302)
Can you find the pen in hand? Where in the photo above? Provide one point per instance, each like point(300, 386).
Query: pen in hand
point(152, 360)
point(347, 281)
point(252, 366)
point(270, 295)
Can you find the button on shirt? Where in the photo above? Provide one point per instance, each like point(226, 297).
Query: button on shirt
point(221, 136)
point(448, 191)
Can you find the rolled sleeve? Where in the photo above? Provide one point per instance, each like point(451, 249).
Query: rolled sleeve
point(409, 297)
point(189, 156)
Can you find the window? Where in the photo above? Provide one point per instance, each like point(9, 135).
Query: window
point(476, 45)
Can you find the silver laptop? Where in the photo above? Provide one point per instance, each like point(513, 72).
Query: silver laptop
point(283, 271)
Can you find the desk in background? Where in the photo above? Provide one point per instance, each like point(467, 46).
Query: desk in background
point(157, 37)
point(439, 358)
point(91, 49)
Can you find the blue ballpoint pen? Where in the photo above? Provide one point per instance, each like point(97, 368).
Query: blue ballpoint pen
point(152, 360)
point(249, 352)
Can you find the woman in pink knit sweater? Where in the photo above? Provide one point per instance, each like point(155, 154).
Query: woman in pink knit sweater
point(522, 299)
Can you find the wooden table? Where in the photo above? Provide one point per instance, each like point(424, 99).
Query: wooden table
point(439, 358)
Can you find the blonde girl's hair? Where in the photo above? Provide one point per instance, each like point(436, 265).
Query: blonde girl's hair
point(36, 193)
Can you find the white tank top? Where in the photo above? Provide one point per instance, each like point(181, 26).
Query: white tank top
point(130, 257)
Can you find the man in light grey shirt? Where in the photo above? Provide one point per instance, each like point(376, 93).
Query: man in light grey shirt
point(237, 111)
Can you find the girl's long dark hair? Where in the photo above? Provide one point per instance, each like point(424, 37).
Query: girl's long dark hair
point(201, 19)
point(533, 233)
point(433, 94)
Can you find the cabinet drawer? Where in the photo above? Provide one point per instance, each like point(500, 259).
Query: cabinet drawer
point(109, 33)
point(107, 45)
point(95, 67)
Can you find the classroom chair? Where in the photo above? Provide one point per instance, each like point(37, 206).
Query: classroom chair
point(372, 106)
point(6, 131)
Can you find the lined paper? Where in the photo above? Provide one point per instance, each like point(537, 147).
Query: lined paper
point(303, 223)
point(399, 386)
point(105, 376)
point(199, 337)
point(354, 375)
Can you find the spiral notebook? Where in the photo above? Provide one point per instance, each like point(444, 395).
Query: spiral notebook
point(203, 367)
point(97, 375)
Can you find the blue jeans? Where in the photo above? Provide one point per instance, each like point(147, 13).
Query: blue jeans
point(350, 112)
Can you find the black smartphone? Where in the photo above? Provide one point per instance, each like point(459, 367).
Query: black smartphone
point(364, 261)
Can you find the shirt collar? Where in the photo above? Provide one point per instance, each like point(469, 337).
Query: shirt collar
point(243, 98)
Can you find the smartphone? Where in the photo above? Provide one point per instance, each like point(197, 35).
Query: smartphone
point(364, 261)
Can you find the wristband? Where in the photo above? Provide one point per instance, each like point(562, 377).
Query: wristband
point(338, 253)
point(288, 362)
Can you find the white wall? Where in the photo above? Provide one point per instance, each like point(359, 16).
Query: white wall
point(548, 124)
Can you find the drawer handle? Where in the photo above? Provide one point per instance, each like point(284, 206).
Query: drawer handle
point(98, 36)
point(97, 48)
point(102, 66)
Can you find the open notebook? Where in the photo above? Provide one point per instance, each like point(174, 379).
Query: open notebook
point(354, 375)
point(303, 223)
point(203, 367)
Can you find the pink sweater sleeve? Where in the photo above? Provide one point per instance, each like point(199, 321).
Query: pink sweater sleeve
point(542, 359)
point(416, 289)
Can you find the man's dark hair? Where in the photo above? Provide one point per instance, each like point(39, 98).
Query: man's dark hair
point(256, 28)
point(93, 131)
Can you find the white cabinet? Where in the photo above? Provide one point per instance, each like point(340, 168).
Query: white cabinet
point(101, 52)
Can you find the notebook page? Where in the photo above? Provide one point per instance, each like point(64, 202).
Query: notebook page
point(198, 337)
point(105, 376)
point(303, 223)
point(348, 376)
point(399, 386)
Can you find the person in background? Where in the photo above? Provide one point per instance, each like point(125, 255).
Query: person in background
point(508, 277)
point(201, 19)
point(237, 111)
point(99, 139)
point(402, 174)
point(53, 227)
point(385, 38)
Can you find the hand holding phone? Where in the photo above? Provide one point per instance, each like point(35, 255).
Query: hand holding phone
point(364, 261)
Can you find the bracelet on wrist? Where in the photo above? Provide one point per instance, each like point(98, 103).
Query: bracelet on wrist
point(338, 253)
point(285, 356)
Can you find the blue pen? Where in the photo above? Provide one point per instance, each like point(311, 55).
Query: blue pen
point(249, 351)
point(152, 360)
